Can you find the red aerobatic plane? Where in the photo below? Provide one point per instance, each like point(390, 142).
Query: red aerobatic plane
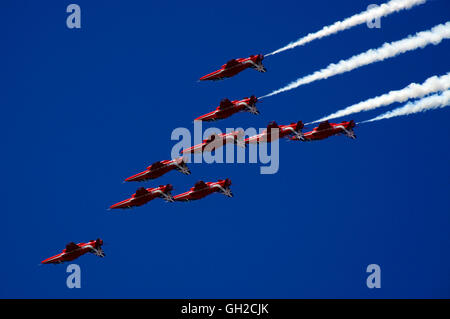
point(202, 189)
point(233, 67)
point(216, 141)
point(73, 251)
point(228, 108)
point(326, 129)
point(160, 168)
point(267, 135)
point(143, 196)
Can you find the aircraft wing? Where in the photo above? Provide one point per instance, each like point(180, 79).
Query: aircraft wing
point(140, 192)
point(200, 185)
point(324, 126)
point(225, 103)
point(156, 165)
point(213, 137)
point(271, 126)
point(231, 63)
point(71, 247)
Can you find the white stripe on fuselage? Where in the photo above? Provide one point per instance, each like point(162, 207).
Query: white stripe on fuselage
point(282, 129)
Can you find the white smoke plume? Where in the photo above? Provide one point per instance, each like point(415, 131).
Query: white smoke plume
point(357, 19)
point(413, 91)
point(431, 102)
point(387, 50)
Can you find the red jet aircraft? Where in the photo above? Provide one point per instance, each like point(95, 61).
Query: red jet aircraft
point(160, 168)
point(202, 189)
point(326, 129)
point(216, 141)
point(73, 251)
point(235, 66)
point(294, 129)
point(228, 108)
point(143, 196)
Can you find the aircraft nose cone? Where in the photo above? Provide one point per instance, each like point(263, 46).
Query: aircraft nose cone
point(133, 178)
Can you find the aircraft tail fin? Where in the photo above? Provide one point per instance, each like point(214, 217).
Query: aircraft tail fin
point(351, 124)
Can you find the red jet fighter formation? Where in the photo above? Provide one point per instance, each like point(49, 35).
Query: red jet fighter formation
point(215, 141)
point(144, 195)
point(275, 131)
point(326, 129)
point(228, 108)
point(201, 189)
point(73, 251)
point(160, 168)
point(235, 66)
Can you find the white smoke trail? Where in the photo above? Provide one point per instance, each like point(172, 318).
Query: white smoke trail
point(387, 50)
point(431, 102)
point(357, 19)
point(412, 91)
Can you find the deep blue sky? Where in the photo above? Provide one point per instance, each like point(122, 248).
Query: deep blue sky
point(84, 109)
